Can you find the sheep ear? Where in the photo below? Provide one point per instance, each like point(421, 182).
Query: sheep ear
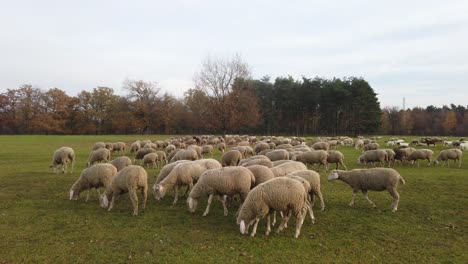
point(242, 227)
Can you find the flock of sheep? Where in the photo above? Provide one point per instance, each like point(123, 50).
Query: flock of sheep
point(267, 175)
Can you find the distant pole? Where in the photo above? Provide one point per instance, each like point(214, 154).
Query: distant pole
point(404, 115)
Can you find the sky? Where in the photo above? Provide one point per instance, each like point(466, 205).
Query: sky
point(412, 49)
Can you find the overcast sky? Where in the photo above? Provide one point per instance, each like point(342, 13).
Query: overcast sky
point(412, 49)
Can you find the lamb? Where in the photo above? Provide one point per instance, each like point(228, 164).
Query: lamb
point(321, 146)
point(130, 179)
point(313, 157)
point(99, 155)
point(184, 174)
point(221, 147)
point(96, 176)
point(336, 157)
point(224, 181)
point(261, 146)
point(121, 162)
point(150, 159)
point(286, 168)
point(261, 173)
point(449, 154)
point(135, 147)
point(371, 146)
point(424, 154)
point(61, 157)
point(314, 180)
point(207, 149)
point(372, 156)
point(186, 154)
point(280, 194)
point(376, 179)
point(119, 147)
point(231, 158)
point(98, 145)
point(278, 154)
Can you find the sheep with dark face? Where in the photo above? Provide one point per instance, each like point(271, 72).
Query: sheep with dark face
point(376, 179)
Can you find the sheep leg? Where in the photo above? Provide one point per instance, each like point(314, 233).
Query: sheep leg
point(354, 196)
point(367, 198)
point(64, 166)
point(254, 229)
point(342, 163)
point(87, 195)
point(311, 213)
point(396, 198)
point(268, 225)
point(144, 193)
point(134, 199)
point(223, 201)
point(284, 223)
point(176, 195)
point(300, 221)
point(111, 205)
point(210, 198)
point(320, 196)
point(274, 219)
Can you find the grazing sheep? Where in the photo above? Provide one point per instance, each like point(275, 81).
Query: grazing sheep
point(376, 179)
point(264, 152)
point(61, 157)
point(248, 151)
point(231, 158)
point(372, 156)
point(314, 156)
point(402, 153)
point(99, 155)
point(359, 144)
point(99, 145)
point(421, 154)
point(391, 156)
point(225, 181)
point(314, 180)
point(185, 154)
point(284, 146)
point(96, 176)
point(403, 144)
point(280, 194)
point(170, 148)
point(184, 174)
point(119, 147)
point(337, 157)
point(241, 149)
point(109, 146)
point(279, 162)
point(261, 173)
point(130, 179)
point(261, 146)
point(135, 147)
point(278, 154)
point(221, 147)
point(198, 149)
point(162, 159)
point(286, 168)
point(321, 146)
point(167, 169)
point(207, 149)
point(449, 154)
point(264, 162)
point(150, 159)
point(172, 154)
point(464, 146)
point(121, 162)
point(141, 154)
point(256, 157)
point(371, 146)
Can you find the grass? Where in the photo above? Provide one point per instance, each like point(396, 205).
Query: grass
point(40, 225)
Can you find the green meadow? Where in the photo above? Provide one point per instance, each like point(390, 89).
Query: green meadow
point(39, 224)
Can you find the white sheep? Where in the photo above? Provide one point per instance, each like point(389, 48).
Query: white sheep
point(449, 154)
point(313, 157)
point(61, 157)
point(184, 174)
point(280, 194)
point(150, 160)
point(119, 147)
point(130, 179)
point(99, 155)
point(376, 179)
point(314, 180)
point(464, 146)
point(135, 147)
point(185, 154)
point(421, 154)
point(286, 168)
point(231, 158)
point(96, 176)
point(221, 182)
point(336, 157)
point(99, 145)
point(261, 173)
point(278, 154)
point(121, 162)
point(372, 156)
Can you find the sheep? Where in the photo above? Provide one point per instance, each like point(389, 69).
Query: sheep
point(403, 144)
point(186, 154)
point(167, 169)
point(99, 155)
point(248, 151)
point(119, 147)
point(391, 156)
point(162, 159)
point(96, 176)
point(256, 157)
point(121, 162)
point(336, 157)
point(224, 181)
point(264, 162)
point(313, 157)
point(141, 153)
point(172, 154)
point(279, 162)
point(150, 159)
point(170, 148)
point(198, 149)
point(264, 152)
point(184, 174)
point(421, 154)
point(280, 194)
point(391, 143)
point(286, 168)
point(261, 146)
point(402, 153)
point(221, 147)
point(314, 180)
point(372, 156)
point(261, 173)
point(207, 149)
point(284, 146)
point(129, 179)
point(463, 146)
point(241, 149)
point(376, 179)
point(135, 147)
point(371, 146)
point(359, 144)
point(449, 154)
point(231, 158)
point(61, 157)
point(98, 145)
point(321, 146)
point(334, 143)
point(278, 154)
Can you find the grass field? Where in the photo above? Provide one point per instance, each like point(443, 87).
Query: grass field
point(38, 224)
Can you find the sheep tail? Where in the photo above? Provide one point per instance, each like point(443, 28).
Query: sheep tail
point(402, 180)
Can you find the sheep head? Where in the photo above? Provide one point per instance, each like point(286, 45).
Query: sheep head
point(158, 191)
point(333, 175)
point(103, 201)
